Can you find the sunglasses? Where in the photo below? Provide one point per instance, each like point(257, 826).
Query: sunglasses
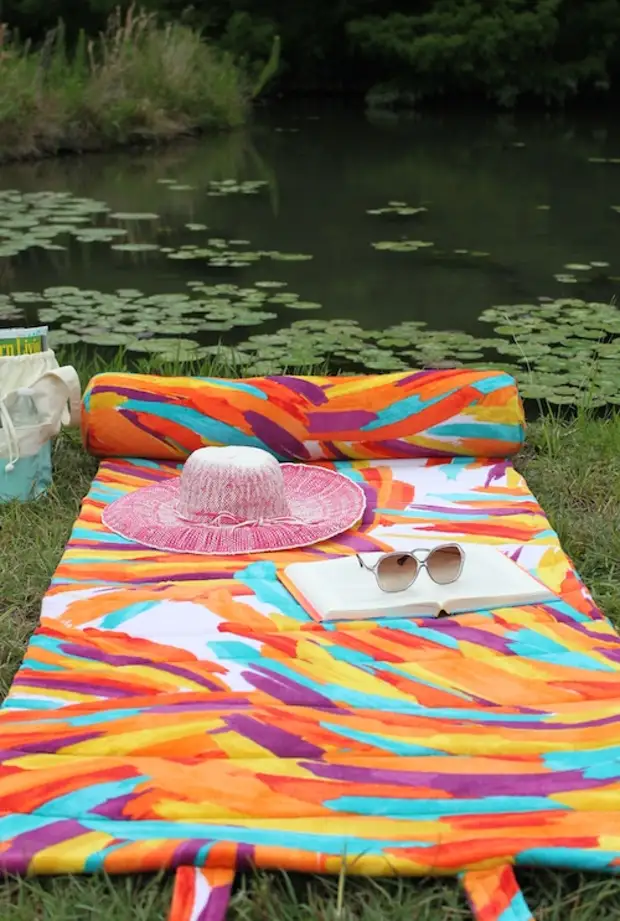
point(396, 571)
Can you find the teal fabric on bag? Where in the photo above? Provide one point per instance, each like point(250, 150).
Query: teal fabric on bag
point(30, 477)
point(35, 402)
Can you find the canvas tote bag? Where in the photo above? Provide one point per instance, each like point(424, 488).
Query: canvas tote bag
point(36, 399)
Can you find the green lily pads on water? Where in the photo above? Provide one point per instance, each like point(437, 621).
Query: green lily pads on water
point(227, 254)
point(165, 345)
point(135, 247)
point(103, 338)
point(402, 246)
point(400, 208)
point(129, 316)
point(129, 293)
point(284, 297)
point(232, 187)
point(134, 216)
point(36, 219)
point(558, 349)
point(303, 305)
point(100, 234)
point(58, 337)
point(290, 257)
point(27, 297)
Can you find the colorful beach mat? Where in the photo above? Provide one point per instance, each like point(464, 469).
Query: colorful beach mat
point(184, 713)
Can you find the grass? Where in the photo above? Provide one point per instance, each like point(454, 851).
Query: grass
point(574, 469)
point(138, 81)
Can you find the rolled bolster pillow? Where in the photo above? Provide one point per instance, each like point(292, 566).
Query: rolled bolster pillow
point(447, 413)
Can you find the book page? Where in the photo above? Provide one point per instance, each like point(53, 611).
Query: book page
point(341, 587)
point(490, 579)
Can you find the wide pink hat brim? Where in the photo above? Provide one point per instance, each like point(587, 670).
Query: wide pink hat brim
point(327, 503)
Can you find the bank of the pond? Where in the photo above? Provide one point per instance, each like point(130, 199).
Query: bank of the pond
point(573, 467)
point(137, 82)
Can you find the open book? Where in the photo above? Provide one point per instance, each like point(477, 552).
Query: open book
point(342, 590)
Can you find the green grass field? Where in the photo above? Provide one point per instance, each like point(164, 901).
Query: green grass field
point(573, 468)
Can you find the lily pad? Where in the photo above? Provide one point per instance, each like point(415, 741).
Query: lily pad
point(402, 246)
point(232, 187)
point(57, 337)
point(400, 208)
point(135, 247)
point(134, 216)
point(27, 297)
point(103, 338)
point(291, 257)
point(100, 234)
point(36, 219)
point(165, 345)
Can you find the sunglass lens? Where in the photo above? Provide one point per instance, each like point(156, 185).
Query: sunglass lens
point(396, 572)
point(445, 564)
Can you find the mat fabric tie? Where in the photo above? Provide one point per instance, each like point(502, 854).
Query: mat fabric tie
point(494, 895)
point(201, 894)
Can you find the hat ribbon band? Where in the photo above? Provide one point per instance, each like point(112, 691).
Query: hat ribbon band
point(227, 520)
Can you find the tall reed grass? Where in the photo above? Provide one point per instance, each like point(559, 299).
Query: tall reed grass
point(137, 81)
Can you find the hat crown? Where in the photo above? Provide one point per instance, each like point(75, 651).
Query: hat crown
point(242, 483)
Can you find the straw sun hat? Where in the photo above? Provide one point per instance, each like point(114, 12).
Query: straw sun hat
point(234, 500)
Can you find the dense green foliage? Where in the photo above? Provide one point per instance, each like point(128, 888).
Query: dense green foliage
point(503, 49)
point(138, 80)
point(402, 50)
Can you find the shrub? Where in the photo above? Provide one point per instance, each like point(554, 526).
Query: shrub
point(138, 80)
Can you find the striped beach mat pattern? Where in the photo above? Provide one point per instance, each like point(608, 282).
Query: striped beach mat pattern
point(184, 713)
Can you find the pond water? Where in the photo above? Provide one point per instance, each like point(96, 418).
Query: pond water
point(490, 211)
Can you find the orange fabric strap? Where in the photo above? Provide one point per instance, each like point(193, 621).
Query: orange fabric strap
point(201, 894)
point(494, 895)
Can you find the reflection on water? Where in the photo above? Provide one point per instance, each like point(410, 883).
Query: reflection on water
point(523, 192)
